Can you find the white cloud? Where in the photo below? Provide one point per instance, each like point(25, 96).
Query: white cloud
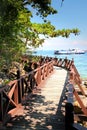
point(63, 43)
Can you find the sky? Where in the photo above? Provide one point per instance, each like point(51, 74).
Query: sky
point(72, 14)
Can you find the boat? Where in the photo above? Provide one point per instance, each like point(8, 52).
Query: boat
point(70, 51)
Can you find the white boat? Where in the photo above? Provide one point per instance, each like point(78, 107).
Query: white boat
point(70, 51)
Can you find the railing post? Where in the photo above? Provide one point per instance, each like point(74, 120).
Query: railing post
point(42, 73)
point(69, 109)
point(52, 65)
point(19, 86)
point(38, 76)
point(46, 69)
point(16, 97)
point(69, 116)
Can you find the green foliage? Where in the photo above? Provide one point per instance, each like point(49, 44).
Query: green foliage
point(17, 30)
point(42, 7)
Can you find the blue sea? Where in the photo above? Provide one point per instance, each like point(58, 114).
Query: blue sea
point(80, 60)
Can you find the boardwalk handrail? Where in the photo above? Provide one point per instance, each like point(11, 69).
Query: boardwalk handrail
point(74, 80)
point(12, 94)
point(63, 63)
point(69, 107)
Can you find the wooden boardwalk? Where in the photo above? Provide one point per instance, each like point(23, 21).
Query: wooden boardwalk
point(44, 108)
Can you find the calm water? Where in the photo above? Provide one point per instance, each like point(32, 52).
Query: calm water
point(80, 60)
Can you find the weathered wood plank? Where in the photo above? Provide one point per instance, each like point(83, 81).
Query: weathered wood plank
point(43, 110)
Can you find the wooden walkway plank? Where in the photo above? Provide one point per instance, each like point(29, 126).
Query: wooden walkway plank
point(43, 110)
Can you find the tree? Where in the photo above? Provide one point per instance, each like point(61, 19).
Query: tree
point(17, 30)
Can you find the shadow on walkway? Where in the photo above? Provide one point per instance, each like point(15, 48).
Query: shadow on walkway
point(39, 114)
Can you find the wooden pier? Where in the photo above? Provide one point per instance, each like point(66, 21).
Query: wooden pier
point(45, 108)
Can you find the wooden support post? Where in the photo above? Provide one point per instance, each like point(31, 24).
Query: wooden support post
point(19, 86)
point(16, 94)
point(69, 109)
point(69, 116)
point(42, 73)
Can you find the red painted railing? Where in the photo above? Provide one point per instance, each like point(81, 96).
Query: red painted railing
point(12, 94)
point(74, 81)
